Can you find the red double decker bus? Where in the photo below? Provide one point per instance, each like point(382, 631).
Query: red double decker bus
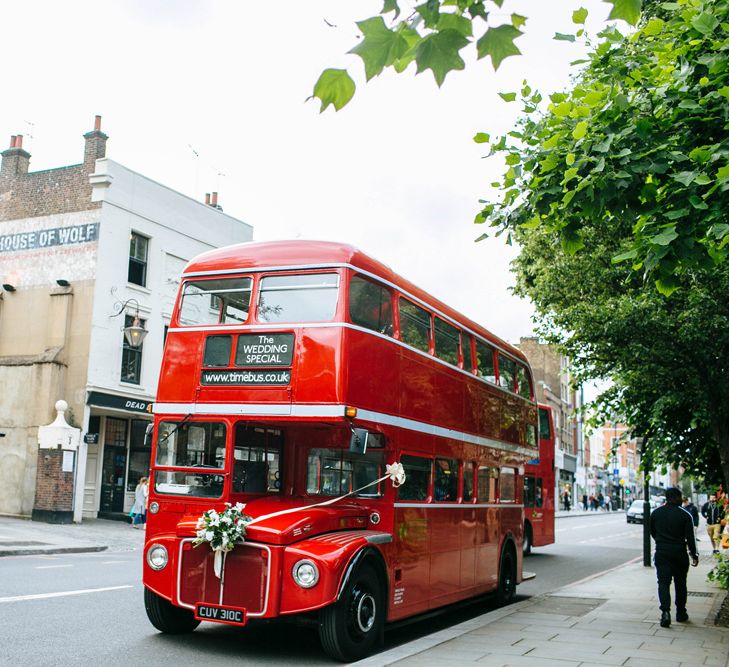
point(539, 488)
point(293, 373)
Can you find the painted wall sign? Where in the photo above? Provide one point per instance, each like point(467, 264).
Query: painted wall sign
point(101, 400)
point(48, 238)
point(257, 350)
point(243, 378)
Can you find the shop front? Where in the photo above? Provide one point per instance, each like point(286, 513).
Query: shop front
point(117, 453)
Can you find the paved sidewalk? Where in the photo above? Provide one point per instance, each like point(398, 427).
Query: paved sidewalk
point(609, 619)
point(21, 537)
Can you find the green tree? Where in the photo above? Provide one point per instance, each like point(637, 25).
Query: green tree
point(433, 36)
point(621, 179)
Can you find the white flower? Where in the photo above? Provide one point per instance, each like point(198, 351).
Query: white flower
point(240, 507)
point(226, 520)
point(209, 535)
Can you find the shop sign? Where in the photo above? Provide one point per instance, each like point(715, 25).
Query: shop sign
point(101, 400)
point(91, 438)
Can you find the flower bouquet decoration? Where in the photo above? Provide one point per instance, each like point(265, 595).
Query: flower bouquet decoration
point(221, 530)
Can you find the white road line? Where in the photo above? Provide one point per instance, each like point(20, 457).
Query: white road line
point(113, 562)
point(50, 567)
point(43, 596)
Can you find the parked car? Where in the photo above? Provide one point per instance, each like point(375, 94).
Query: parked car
point(635, 511)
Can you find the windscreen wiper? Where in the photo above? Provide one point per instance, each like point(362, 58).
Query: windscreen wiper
point(174, 430)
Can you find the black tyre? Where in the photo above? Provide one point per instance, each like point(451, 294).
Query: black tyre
point(507, 578)
point(528, 539)
point(166, 617)
point(352, 628)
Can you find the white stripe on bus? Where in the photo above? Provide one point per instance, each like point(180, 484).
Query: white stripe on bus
point(327, 412)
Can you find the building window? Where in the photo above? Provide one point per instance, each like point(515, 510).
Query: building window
point(138, 247)
point(131, 367)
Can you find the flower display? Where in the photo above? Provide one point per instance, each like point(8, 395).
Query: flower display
point(222, 529)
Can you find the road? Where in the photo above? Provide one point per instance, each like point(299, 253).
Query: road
point(87, 608)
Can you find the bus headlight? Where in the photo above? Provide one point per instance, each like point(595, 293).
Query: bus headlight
point(157, 557)
point(305, 573)
point(154, 507)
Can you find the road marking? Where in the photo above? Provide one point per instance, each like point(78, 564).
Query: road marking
point(112, 562)
point(43, 596)
point(50, 567)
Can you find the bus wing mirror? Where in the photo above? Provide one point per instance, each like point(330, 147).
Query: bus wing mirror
point(358, 441)
point(148, 435)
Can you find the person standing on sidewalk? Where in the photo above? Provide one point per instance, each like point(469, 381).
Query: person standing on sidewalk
point(713, 512)
point(673, 531)
point(139, 509)
point(694, 512)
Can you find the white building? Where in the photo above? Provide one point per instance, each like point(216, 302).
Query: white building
point(85, 249)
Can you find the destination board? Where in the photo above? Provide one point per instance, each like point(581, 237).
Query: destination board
point(259, 350)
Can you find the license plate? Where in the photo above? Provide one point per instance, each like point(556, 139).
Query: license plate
point(220, 614)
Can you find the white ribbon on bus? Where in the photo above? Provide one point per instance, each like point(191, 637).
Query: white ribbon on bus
point(393, 471)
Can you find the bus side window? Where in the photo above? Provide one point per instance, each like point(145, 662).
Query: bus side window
point(417, 478)
point(507, 486)
point(445, 486)
point(467, 354)
point(529, 488)
point(488, 484)
point(538, 492)
point(370, 306)
point(507, 372)
point(522, 379)
point(485, 358)
point(467, 481)
point(544, 430)
point(414, 325)
point(446, 341)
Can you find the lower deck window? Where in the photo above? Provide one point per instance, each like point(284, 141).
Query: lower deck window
point(488, 484)
point(417, 478)
point(445, 486)
point(257, 459)
point(532, 491)
point(334, 472)
point(507, 490)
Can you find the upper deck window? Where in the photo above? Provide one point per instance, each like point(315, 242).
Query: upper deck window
point(522, 379)
point(370, 305)
point(311, 297)
point(414, 325)
point(507, 372)
point(220, 301)
point(485, 357)
point(447, 338)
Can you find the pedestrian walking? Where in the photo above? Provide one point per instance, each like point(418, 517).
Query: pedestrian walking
point(713, 512)
point(139, 509)
point(566, 500)
point(601, 500)
point(584, 502)
point(694, 512)
point(608, 503)
point(673, 531)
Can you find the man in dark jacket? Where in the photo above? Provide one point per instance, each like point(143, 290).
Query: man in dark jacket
point(694, 512)
point(673, 531)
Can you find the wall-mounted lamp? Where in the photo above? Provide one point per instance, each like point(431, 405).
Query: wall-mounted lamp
point(135, 333)
point(8, 287)
point(62, 282)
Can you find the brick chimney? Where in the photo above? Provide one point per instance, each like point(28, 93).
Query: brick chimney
point(15, 159)
point(95, 147)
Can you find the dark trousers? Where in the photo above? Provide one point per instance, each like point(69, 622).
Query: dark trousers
point(672, 566)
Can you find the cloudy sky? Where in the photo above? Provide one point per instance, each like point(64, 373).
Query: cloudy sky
point(212, 95)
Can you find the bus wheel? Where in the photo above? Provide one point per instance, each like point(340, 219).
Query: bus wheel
point(507, 578)
point(164, 616)
point(527, 543)
point(353, 626)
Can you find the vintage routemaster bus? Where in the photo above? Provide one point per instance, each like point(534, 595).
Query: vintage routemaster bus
point(294, 373)
point(539, 488)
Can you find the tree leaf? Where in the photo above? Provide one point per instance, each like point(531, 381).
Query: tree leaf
point(705, 23)
point(482, 138)
point(580, 130)
point(561, 37)
point(653, 27)
point(665, 237)
point(517, 20)
point(507, 97)
point(391, 6)
point(380, 47)
point(335, 87)
point(439, 52)
point(627, 10)
point(685, 177)
point(579, 16)
point(455, 22)
point(498, 43)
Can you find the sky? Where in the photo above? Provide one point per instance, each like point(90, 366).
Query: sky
point(209, 96)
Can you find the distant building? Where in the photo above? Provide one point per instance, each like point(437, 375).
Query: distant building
point(553, 388)
point(84, 250)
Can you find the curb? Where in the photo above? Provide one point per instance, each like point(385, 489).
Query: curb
point(52, 550)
